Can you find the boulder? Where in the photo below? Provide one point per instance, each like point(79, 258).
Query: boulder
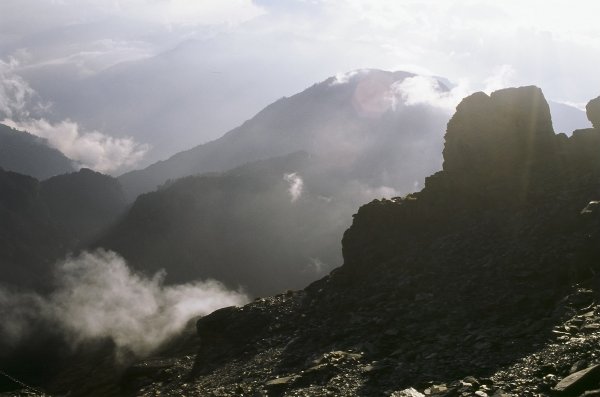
point(580, 381)
point(407, 393)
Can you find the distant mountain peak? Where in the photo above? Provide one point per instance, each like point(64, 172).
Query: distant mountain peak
point(346, 117)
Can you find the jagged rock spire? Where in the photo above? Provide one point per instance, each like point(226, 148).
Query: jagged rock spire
point(497, 133)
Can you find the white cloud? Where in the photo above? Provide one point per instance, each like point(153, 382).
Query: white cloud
point(15, 92)
point(93, 35)
point(502, 77)
point(345, 77)
point(425, 90)
point(296, 185)
point(190, 12)
point(554, 49)
point(316, 265)
point(18, 310)
point(48, 13)
point(98, 296)
point(90, 149)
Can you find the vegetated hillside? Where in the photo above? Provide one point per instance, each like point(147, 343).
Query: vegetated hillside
point(268, 226)
point(483, 282)
point(360, 120)
point(27, 154)
point(42, 221)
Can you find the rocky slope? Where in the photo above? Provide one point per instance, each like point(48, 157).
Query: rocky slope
point(484, 283)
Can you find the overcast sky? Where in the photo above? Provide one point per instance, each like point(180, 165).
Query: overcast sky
point(129, 82)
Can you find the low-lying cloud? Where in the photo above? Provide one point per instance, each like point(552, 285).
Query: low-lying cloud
point(97, 296)
point(317, 266)
point(15, 92)
point(345, 77)
point(90, 149)
point(296, 185)
point(22, 109)
point(426, 90)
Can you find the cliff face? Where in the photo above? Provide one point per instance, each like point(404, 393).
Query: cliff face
point(485, 281)
point(502, 164)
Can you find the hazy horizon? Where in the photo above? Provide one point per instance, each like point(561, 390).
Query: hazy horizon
point(124, 84)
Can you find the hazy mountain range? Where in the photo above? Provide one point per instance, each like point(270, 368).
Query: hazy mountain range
point(354, 121)
point(277, 191)
point(275, 222)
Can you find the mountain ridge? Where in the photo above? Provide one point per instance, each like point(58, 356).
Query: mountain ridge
point(314, 120)
point(244, 227)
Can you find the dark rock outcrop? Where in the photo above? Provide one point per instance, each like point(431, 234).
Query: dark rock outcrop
point(593, 112)
point(492, 139)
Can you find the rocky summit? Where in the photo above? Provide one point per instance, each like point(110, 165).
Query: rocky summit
point(485, 283)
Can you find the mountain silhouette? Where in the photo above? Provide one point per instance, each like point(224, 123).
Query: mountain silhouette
point(43, 221)
point(30, 155)
point(267, 226)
